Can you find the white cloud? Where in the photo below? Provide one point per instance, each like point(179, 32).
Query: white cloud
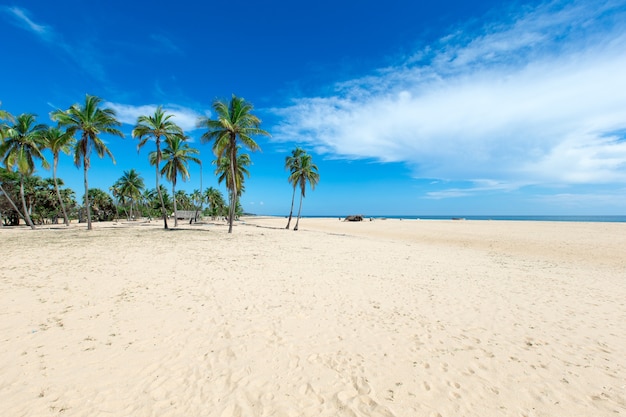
point(532, 100)
point(184, 117)
point(23, 20)
point(81, 52)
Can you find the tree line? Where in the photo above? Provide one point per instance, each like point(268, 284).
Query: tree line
point(79, 130)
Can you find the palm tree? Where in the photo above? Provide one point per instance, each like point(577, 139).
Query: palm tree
point(224, 174)
point(130, 186)
point(5, 115)
point(307, 172)
point(58, 141)
point(91, 121)
point(216, 201)
point(198, 199)
point(157, 126)
point(21, 145)
point(177, 154)
point(292, 164)
point(234, 124)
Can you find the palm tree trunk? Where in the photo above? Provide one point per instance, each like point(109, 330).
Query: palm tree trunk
point(299, 210)
point(26, 215)
point(293, 196)
point(163, 212)
point(56, 186)
point(19, 213)
point(175, 209)
point(130, 216)
point(233, 181)
point(87, 205)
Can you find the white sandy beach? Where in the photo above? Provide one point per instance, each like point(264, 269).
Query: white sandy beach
point(382, 318)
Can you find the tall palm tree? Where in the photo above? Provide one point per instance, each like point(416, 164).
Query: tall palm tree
point(177, 154)
point(234, 124)
point(158, 126)
point(130, 186)
point(22, 144)
point(58, 141)
point(91, 121)
point(307, 172)
point(292, 164)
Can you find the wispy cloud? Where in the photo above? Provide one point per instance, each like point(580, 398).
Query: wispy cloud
point(21, 18)
point(82, 54)
point(184, 117)
point(165, 44)
point(530, 100)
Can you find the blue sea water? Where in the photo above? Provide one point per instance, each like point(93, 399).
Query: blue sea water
point(605, 218)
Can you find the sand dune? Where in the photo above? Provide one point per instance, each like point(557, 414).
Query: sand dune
point(383, 318)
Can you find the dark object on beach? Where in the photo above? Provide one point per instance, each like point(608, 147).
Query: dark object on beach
point(354, 218)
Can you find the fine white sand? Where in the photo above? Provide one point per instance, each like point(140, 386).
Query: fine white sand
point(382, 318)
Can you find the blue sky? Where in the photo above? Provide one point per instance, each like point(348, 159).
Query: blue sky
point(490, 107)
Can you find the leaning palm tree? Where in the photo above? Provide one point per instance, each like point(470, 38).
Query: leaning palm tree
point(158, 126)
point(307, 172)
point(5, 115)
point(234, 124)
point(58, 141)
point(177, 154)
point(6, 175)
point(22, 144)
point(292, 164)
point(130, 186)
point(91, 121)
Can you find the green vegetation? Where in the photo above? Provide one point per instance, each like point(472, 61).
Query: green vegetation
point(234, 124)
point(156, 127)
point(304, 170)
point(91, 121)
point(23, 141)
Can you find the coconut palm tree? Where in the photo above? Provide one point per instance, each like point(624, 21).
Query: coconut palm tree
point(292, 164)
point(91, 121)
point(5, 115)
point(158, 126)
point(58, 141)
point(216, 201)
point(198, 199)
point(234, 124)
point(177, 154)
point(306, 172)
point(224, 174)
point(22, 144)
point(130, 186)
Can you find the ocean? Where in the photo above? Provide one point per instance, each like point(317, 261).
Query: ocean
point(605, 218)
